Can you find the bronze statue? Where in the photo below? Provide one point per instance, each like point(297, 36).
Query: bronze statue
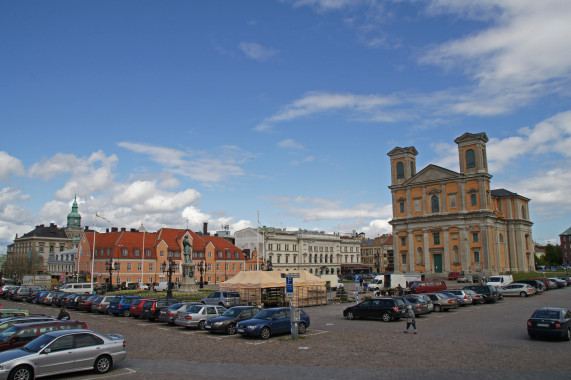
point(187, 250)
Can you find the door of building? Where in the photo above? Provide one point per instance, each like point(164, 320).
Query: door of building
point(438, 263)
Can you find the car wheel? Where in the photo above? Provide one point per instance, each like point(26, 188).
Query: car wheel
point(103, 364)
point(437, 308)
point(265, 333)
point(301, 328)
point(126, 313)
point(350, 315)
point(231, 329)
point(201, 325)
point(523, 294)
point(568, 335)
point(386, 317)
point(21, 373)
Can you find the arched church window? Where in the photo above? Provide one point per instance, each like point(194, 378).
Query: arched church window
point(470, 159)
point(400, 170)
point(435, 202)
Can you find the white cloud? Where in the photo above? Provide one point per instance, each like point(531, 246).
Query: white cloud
point(290, 144)
point(197, 165)
point(325, 4)
point(144, 196)
point(256, 51)
point(367, 107)
point(525, 53)
point(377, 227)
point(10, 165)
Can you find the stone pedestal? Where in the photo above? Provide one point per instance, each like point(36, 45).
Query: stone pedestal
point(188, 284)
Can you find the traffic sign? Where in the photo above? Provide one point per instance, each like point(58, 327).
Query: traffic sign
point(289, 287)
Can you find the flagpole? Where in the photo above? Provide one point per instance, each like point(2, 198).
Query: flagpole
point(93, 256)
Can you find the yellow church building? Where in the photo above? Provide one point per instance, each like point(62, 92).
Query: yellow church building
point(444, 221)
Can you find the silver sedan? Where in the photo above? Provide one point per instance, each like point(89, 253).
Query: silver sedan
point(63, 351)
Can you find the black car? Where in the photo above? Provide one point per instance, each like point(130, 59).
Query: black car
point(489, 293)
point(386, 309)
point(226, 323)
point(551, 322)
point(152, 308)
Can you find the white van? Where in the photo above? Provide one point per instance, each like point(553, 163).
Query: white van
point(161, 286)
point(79, 287)
point(500, 280)
point(333, 281)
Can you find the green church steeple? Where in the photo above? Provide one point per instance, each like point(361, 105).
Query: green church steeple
point(74, 218)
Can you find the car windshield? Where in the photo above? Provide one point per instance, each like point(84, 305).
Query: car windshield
point(115, 300)
point(194, 309)
point(264, 314)
point(231, 313)
point(38, 343)
point(175, 306)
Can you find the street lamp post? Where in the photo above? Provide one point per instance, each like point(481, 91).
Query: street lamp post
point(169, 270)
point(225, 264)
point(201, 270)
point(111, 266)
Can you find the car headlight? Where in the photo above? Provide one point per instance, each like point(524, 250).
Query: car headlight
point(217, 324)
point(252, 327)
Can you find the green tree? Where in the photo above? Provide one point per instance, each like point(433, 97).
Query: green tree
point(553, 255)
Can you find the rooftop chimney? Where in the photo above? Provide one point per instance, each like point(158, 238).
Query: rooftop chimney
point(205, 228)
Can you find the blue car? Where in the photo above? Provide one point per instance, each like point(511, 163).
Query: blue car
point(120, 305)
point(270, 322)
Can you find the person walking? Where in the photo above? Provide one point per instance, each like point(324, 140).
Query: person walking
point(410, 319)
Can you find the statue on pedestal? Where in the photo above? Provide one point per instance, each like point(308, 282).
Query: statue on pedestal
point(187, 253)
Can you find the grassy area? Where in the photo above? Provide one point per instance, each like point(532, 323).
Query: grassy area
point(187, 297)
point(527, 276)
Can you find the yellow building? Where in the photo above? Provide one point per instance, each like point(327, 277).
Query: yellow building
point(445, 221)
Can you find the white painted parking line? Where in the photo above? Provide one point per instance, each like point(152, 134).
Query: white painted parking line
point(256, 343)
point(114, 373)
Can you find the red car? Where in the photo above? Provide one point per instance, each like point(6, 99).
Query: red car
point(136, 307)
point(455, 275)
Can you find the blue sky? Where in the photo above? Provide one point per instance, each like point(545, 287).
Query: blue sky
point(179, 112)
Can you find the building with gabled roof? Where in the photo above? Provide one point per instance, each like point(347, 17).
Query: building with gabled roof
point(447, 221)
point(565, 241)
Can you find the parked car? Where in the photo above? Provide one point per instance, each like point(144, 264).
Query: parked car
point(49, 298)
point(427, 286)
point(566, 279)
point(552, 322)
point(501, 280)
point(517, 289)
point(544, 281)
point(386, 308)
point(120, 305)
point(222, 298)
point(270, 322)
point(34, 295)
point(460, 300)
point(455, 275)
point(152, 309)
point(4, 290)
point(196, 315)
point(226, 323)
point(85, 304)
point(7, 313)
point(538, 285)
point(443, 302)
point(101, 304)
point(463, 295)
point(11, 291)
point(19, 335)
point(6, 323)
point(68, 300)
point(44, 356)
point(560, 283)
point(419, 305)
point(476, 297)
point(23, 292)
point(488, 292)
point(136, 307)
point(169, 314)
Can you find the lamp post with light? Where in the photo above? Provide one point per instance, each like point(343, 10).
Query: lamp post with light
point(169, 270)
point(111, 266)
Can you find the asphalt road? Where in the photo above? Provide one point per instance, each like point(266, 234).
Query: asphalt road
point(484, 341)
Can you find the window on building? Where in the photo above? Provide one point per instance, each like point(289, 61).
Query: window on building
point(162, 253)
point(124, 252)
point(436, 238)
point(470, 159)
point(475, 237)
point(411, 168)
point(435, 203)
point(139, 266)
point(401, 207)
point(501, 238)
point(51, 249)
point(400, 170)
point(226, 267)
point(234, 267)
point(403, 241)
point(228, 254)
point(147, 252)
point(128, 266)
point(287, 259)
point(473, 199)
point(404, 259)
point(287, 247)
point(209, 267)
point(476, 256)
point(217, 266)
point(136, 252)
point(150, 267)
point(419, 256)
point(523, 212)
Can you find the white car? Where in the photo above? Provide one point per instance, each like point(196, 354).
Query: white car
point(63, 351)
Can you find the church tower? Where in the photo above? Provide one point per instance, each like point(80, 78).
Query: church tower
point(403, 164)
point(74, 218)
point(472, 153)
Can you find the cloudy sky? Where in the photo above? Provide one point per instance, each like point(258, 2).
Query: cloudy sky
point(176, 113)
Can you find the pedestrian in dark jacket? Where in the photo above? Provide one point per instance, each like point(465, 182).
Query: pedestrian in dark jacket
point(410, 319)
point(63, 315)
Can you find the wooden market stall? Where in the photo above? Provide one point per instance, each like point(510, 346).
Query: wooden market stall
point(268, 288)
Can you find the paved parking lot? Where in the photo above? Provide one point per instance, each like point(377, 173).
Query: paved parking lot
point(487, 341)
